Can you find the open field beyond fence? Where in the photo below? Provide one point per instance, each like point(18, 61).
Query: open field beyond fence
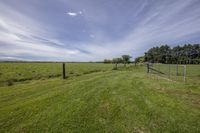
point(96, 98)
point(175, 72)
point(16, 72)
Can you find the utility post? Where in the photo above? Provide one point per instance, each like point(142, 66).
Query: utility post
point(63, 67)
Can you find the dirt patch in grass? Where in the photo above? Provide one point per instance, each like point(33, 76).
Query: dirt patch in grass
point(105, 106)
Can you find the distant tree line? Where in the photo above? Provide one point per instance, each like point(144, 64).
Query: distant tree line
point(125, 59)
point(186, 54)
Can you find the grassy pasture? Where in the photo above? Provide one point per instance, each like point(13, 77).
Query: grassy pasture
point(123, 100)
point(17, 72)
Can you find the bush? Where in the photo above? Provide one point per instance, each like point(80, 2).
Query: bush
point(10, 83)
point(115, 68)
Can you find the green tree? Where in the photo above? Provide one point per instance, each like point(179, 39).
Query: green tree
point(116, 61)
point(139, 59)
point(126, 59)
point(107, 61)
point(187, 53)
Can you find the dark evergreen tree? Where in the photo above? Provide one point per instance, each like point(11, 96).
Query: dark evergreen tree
point(186, 54)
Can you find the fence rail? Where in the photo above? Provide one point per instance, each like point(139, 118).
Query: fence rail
point(171, 71)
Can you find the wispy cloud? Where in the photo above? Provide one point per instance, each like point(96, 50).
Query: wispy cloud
point(18, 40)
point(7, 58)
point(73, 14)
point(102, 31)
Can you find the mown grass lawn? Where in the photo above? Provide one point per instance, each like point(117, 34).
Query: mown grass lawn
point(109, 101)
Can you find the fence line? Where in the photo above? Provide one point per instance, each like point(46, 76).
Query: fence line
point(170, 71)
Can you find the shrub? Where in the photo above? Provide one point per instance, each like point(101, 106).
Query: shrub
point(10, 83)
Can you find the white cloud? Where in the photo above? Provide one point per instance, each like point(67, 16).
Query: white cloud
point(18, 41)
point(73, 14)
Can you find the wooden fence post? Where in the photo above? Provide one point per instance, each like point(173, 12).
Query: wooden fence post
point(63, 71)
point(184, 73)
point(177, 69)
point(148, 68)
point(169, 71)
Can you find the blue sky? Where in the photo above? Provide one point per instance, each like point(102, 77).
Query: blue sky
point(92, 30)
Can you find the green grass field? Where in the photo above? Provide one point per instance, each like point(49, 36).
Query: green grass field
point(18, 72)
point(96, 99)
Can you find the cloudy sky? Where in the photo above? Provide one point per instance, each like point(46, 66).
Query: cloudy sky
point(91, 30)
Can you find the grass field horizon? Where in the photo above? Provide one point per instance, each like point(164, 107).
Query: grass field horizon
point(99, 99)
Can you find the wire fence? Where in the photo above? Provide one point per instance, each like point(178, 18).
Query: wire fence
point(174, 72)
